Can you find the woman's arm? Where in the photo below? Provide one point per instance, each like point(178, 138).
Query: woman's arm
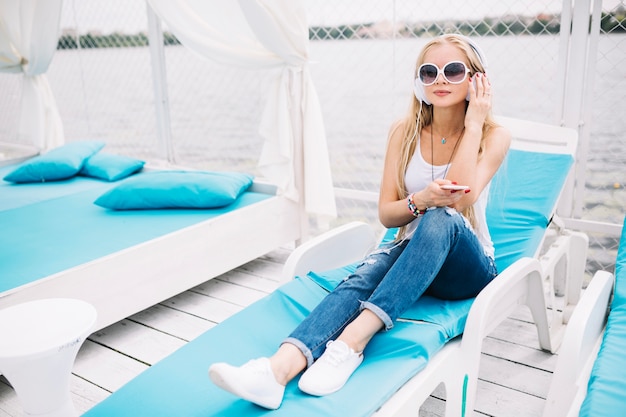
point(467, 167)
point(393, 209)
point(477, 172)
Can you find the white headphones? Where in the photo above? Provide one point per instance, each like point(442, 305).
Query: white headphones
point(418, 87)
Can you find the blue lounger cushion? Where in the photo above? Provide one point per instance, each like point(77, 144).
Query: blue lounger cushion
point(176, 189)
point(110, 167)
point(606, 391)
point(57, 164)
point(179, 384)
point(523, 195)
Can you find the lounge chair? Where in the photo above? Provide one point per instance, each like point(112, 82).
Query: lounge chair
point(589, 378)
point(404, 365)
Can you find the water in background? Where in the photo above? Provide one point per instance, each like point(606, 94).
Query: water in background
point(363, 86)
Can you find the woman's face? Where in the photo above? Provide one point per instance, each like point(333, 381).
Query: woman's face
point(442, 92)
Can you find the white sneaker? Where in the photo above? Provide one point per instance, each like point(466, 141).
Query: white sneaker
point(331, 371)
point(253, 381)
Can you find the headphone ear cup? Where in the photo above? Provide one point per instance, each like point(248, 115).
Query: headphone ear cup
point(418, 89)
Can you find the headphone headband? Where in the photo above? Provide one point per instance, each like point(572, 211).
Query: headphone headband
point(479, 52)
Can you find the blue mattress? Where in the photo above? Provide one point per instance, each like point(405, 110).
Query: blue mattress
point(606, 392)
point(179, 385)
point(53, 226)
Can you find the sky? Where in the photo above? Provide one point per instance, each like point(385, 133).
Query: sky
point(357, 11)
point(129, 16)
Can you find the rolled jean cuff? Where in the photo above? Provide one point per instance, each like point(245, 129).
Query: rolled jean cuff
point(303, 348)
point(384, 317)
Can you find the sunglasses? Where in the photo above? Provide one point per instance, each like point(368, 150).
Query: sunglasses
point(453, 72)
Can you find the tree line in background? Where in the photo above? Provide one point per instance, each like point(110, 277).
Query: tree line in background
point(614, 22)
point(544, 24)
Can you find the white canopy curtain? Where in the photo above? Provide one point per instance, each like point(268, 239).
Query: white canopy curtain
point(267, 33)
point(28, 39)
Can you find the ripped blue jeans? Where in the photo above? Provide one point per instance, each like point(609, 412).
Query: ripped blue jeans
point(443, 258)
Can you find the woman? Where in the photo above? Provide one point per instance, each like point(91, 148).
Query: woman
point(439, 162)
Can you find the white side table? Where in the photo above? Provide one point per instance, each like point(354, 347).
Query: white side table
point(39, 341)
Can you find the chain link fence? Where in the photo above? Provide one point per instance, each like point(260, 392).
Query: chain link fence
point(363, 70)
point(362, 59)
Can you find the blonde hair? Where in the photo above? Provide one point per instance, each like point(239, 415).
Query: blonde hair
point(421, 114)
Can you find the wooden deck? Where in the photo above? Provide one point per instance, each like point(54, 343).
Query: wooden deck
point(514, 375)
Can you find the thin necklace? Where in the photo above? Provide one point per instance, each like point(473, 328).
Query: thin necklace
point(443, 138)
point(432, 153)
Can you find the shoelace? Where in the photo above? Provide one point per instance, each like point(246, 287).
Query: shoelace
point(256, 366)
point(335, 355)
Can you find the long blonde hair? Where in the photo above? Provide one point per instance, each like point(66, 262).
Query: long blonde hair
point(421, 114)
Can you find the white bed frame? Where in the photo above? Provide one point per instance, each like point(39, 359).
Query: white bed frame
point(126, 282)
point(549, 284)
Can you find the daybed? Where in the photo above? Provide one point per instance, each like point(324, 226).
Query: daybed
point(128, 278)
point(404, 365)
point(57, 243)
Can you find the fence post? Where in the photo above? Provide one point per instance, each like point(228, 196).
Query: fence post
point(578, 49)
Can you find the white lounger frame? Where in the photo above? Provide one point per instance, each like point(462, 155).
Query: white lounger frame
point(126, 282)
point(580, 348)
point(549, 285)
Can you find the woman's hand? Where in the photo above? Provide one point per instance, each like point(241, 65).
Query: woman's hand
point(479, 103)
point(435, 196)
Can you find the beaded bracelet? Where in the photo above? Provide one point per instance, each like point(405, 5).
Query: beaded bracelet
point(413, 208)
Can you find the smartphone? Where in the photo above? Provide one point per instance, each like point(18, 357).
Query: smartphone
point(454, 187)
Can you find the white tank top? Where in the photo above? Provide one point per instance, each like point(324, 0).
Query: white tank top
point(420, 173)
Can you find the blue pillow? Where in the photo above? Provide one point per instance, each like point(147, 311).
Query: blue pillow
point(176, 189)
point(109, 167)
point(57, 164)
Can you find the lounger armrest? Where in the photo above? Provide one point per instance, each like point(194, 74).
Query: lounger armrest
point(580, 347)
point(564, 266)
point(520, 283)
point(333, 249)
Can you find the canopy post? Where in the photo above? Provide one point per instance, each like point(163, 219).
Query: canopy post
point(159, 77)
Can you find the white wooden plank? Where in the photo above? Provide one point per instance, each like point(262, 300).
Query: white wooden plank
point(432, 407)
point(233, 293)
point(174, 322)
point(105, 367)
point(85, 394)
point(517, 332)
point(522, 378)
point(497, 400)
point(137, 341)
point(208, 308)
point(520, 354)
point(250, 281)
point(264, 267)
